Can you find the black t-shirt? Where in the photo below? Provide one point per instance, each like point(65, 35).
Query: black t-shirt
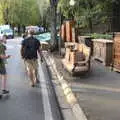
point(30, 46)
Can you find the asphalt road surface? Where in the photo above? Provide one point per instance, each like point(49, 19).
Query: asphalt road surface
point(98, 93)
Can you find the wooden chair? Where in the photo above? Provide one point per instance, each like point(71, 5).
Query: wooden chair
point(73, 61)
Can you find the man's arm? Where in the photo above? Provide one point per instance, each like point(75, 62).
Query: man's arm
point(21, 51)
point(22, 48)
point(4, 56)
point(2, 52)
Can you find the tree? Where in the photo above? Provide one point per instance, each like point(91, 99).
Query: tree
point(19, 13)
point(51, 5)
point(44, 9)
point(4, 11)
point(116, 16)
point(88, 13)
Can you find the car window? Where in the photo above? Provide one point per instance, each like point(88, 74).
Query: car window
point(7, 30)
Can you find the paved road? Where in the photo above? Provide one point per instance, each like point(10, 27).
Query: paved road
point(99, 93)
point(26, 103)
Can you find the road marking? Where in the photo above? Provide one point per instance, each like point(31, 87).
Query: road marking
point(19, 46)
point(87, 86)
point(45, 97)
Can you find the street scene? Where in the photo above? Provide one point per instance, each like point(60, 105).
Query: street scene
point(59, 60)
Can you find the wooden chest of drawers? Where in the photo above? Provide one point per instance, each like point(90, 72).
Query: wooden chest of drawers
point(102, 50)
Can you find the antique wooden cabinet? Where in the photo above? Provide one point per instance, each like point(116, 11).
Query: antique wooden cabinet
point(102, 50)
point(116, 52)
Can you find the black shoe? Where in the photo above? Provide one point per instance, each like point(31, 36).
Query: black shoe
point(32, 85)
point(0, 96)
point(37, 81)
point(5, 91)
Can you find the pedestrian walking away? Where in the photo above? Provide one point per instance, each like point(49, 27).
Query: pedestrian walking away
point(3, 73)
point(29, 51)
point(24, 36)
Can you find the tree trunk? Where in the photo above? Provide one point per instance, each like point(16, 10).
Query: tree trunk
point(19, 31)
point(54, 41)
point(23, 27)
point(116, 17)
point(13, 28)
point(5, 15)
point(90, 25)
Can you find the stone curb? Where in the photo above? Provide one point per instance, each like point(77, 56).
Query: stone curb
point(71, 99)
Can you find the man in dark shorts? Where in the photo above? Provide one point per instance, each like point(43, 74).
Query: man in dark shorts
point(29, 52)
point(3, 57)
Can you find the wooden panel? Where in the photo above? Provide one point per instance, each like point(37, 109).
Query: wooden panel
point(74, 35)
point(69, 25)
point(63, 32)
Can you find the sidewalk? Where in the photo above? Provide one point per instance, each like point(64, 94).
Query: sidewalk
point(98, 93)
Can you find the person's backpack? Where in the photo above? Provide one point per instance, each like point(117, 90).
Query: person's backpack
point(30, 48)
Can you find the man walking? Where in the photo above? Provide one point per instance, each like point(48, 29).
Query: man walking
point(29, 51)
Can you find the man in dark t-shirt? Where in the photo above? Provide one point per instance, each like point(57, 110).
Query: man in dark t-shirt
point(29, 52)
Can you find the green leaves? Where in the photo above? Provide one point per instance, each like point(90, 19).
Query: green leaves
point(88, 13)
point(22, 12)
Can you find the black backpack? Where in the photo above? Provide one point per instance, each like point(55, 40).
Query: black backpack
point(30, 48)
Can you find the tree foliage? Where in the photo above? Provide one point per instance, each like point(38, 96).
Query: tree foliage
point(88, 12)
point(22, 12)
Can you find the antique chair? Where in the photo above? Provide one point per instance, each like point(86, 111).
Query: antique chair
point(77, 58)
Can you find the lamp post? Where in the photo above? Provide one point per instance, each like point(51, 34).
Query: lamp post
point(60, 40)
point(72, 2)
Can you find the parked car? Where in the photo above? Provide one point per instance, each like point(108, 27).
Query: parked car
point(34, 28)
point(8, 32)
point(4, 26)
point(41, 29)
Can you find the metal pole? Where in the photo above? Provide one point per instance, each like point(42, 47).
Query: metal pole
point(60, 33)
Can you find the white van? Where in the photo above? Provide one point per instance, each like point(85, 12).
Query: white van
point(7, 32)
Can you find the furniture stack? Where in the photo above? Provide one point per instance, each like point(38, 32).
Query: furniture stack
point(77, 55)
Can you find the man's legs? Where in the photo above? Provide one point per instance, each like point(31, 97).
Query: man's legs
point(31, 71)
point(31, 76)
point(26, 67)
point(36, 71)
point(4, 84)
point(3, 77)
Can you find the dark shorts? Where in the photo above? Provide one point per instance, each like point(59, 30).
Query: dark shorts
point(2, 70)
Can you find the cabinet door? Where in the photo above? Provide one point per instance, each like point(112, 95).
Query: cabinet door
point(103, 51)
point(96, 50)
point(99, 51)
